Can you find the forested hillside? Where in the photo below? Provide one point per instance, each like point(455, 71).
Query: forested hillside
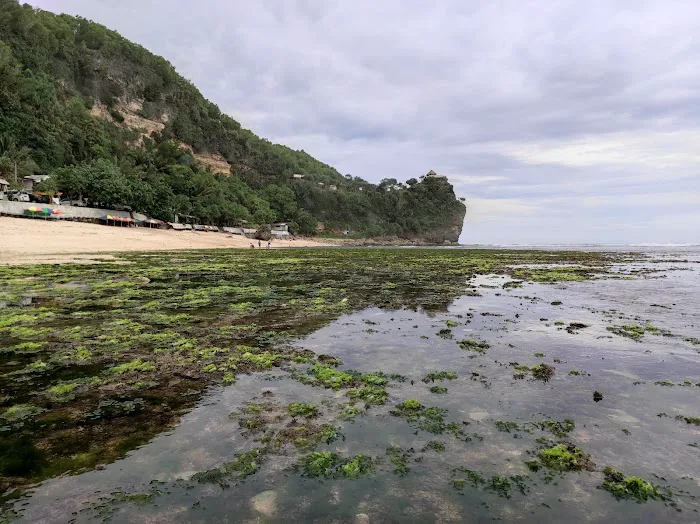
point(114, 123)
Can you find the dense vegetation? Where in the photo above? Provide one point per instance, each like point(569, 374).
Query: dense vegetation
point(67, 88)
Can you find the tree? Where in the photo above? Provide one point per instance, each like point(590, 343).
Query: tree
point(282, 200)
point(306, 223)
point(262, 214)
point(100, 181)
point(15, 162)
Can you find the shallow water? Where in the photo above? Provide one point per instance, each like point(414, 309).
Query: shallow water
point(516, 323)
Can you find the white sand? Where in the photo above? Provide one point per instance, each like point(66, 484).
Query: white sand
point(31, 241)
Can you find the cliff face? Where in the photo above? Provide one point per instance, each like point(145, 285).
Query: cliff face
point(115, 123)
point(450, 232)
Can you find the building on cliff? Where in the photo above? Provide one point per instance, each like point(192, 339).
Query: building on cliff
point(432, 174)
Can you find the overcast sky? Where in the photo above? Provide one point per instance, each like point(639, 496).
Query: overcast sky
point(558, 121)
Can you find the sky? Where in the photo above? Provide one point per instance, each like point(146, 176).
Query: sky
point(558, 121)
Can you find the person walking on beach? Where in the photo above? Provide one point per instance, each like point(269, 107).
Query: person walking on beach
point(269, 244)
point(259, 244)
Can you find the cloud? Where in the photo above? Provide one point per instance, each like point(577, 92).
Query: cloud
point(676, 149)
point(558, 121)
point(469, 180)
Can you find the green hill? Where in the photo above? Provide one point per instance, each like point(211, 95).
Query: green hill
point(114, 123)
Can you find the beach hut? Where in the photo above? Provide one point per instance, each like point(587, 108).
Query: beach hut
point(151, 223)
point(113, 220)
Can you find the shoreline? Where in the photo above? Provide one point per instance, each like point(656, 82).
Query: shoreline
point(34, 241)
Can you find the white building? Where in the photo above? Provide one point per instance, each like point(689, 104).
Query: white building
point(279, 230)
point(28, 182)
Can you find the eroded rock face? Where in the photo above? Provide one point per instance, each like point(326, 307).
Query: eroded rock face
point(265, 503)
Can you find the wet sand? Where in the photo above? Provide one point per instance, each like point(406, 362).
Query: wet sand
point(27, 241)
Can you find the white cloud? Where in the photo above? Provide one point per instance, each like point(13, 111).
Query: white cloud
point(470, 180)
point(660, 150)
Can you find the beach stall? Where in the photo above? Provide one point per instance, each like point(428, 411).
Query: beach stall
point(42, 212)
point(150, 223)
point(113, 220)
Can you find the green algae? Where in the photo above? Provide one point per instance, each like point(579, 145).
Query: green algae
point(108, 506)
point(622, 487)
point(473, 345)
point(21, 412)
point(136, 365)
point(330, 434)
point(506, 426)
point(261, 361)
point(439, 375)
point(399, 459)
point(429, 419)
point(300, 409)
point(636, 332)
point(689, 420)
point(501, 485)
point(305, 436)
point(543, 372)
point(63, 392)
point(556, 427)
point(329, 377)
point(445, 333)
point(369, 395)
point(332, 465)
point(350, 413)
point(244, 465)
point(564, 457)
point(435, 445)
point(667, 383)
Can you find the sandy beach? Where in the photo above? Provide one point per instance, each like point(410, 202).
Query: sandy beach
point(25, 241)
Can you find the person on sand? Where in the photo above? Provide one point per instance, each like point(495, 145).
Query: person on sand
point(259, 244)
point(269, 244)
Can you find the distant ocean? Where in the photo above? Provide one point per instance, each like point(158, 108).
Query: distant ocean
point(646, 246)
